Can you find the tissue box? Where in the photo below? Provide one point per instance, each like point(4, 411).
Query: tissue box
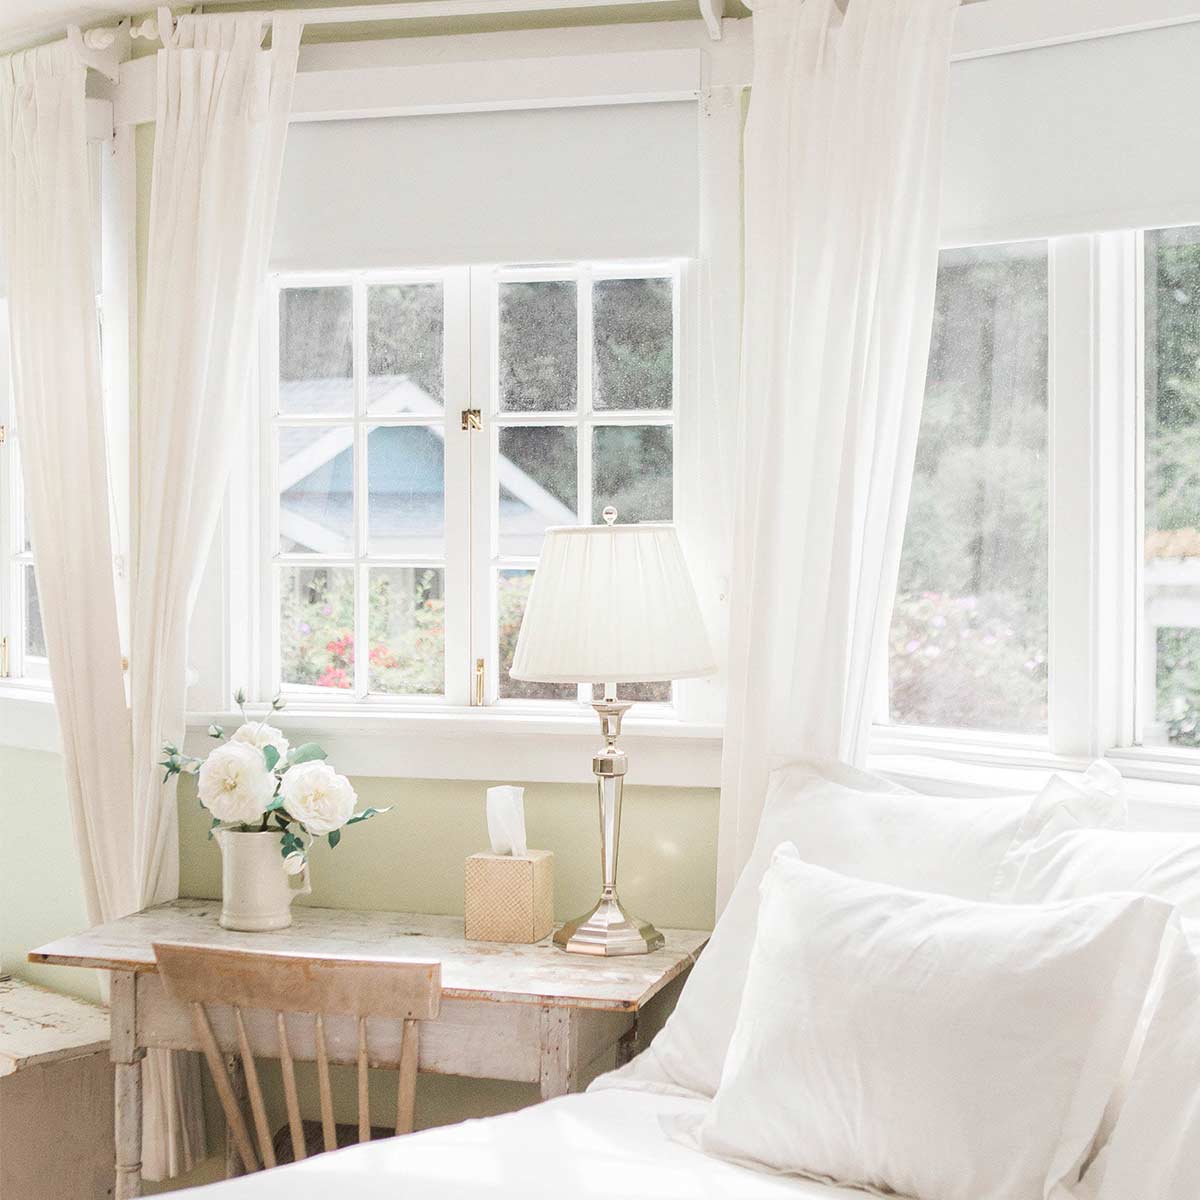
point(509, 898)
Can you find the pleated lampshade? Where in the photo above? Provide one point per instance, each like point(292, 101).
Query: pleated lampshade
point(612, 604)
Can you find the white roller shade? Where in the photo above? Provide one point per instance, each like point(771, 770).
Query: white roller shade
point(1102, 134)
point(534, 185)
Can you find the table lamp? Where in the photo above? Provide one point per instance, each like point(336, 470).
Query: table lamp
point(611, 604)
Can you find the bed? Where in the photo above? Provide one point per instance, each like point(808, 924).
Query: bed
point(609, 1144)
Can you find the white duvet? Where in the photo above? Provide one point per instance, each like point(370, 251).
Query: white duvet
point(607, 1145)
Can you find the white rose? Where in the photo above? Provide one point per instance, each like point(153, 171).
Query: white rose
point(235, 784)
point(260, 734)
point(317, 796)
point(294, 863)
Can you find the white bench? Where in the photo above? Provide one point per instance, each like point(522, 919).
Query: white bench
point(56, 1096)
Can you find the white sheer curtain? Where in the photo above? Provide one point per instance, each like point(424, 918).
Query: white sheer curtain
point(221, 122)
point(843, 151)
point(46, 230)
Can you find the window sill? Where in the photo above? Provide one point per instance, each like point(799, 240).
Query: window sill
point(496, 744)
point(1163, 790)
point(28, 719)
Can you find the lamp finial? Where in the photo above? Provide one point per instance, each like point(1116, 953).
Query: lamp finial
point(609, 514)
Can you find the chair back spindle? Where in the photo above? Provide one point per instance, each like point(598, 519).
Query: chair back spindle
point(227, 990)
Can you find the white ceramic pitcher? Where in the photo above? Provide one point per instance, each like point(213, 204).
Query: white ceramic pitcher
point(256, 890)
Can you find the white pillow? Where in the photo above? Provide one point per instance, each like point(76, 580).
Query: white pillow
point(1061, 864)
point(926, 1045)
point(864, 826)
point(1154, 1151)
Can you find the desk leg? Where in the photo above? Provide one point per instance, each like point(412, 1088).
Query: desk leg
point(559, 1052)
point(127, 1058)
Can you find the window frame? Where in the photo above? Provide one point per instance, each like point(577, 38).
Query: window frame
point(1096, 512)
point(471, 336)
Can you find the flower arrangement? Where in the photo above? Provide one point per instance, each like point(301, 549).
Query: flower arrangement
point(256, 782)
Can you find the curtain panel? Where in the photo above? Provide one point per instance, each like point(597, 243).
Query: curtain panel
point(46, 232)
point(221, 122)
point(843, 152)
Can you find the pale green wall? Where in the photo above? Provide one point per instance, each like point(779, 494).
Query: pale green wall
point(411, 859)
point(41, 897)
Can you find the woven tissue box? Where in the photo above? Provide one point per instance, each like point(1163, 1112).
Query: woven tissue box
point(509, 898)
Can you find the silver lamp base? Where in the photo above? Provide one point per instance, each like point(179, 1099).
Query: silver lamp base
point(608, 929)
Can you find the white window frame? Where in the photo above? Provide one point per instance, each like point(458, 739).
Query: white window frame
point(584, 418)
point(537, 739)
point(1097, 656)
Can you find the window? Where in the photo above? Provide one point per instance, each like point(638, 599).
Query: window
point(23, 651)
point(396, 520)
point(969, 637)
point(1171, 483)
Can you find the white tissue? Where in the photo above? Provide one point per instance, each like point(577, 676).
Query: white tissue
point(506, 820)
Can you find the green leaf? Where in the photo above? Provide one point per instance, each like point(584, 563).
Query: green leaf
point(278, 703)
point(215, 822)
point(281, 819)
point(275, 805)
point(309, 752)
point(216, 731)
point(271, 756)
point(367, 814)
point(335, 836)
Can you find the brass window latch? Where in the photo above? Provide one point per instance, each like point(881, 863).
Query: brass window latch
point(480, 669)
point(472, 419)
point(3, 658)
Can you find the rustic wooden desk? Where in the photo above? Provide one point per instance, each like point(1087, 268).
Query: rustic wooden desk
point(532, 1014)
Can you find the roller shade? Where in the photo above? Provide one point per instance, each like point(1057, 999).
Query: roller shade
point(534, 185)
point(1086, 136)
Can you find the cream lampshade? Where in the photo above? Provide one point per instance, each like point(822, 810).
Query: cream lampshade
point(611, 604)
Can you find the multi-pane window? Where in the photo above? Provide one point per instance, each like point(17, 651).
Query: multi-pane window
point(24, 650)
point(22, 640)
point(1171, 488)
point(969, 637)
point(424, 429)
point(585, 393)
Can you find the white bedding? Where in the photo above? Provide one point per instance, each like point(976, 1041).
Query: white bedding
point(607, 1145)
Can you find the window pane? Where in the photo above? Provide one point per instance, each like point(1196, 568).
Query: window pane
point(35, 636)
point(633, 321)
point(316, 626)
point(406, 626)
point(631, 470)
point(316, 489)
point(316, 360)
point(536, 479)
point(1171, 579)
point(404, 348)
point(969, 633)
point(642, 693)
point(512, 594)
point(406, 507)
point(538, 356)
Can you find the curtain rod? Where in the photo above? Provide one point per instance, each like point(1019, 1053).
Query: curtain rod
point(103, 38)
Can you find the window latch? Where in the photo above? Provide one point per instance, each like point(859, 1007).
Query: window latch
point(472, 419)
point(3, 658)
point(480, 668)
point(3, 434)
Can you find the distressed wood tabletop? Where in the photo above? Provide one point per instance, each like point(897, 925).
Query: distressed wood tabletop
point(40, 1026)
point(499, 972)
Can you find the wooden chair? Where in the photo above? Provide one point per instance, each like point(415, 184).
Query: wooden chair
point(239, 1001)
